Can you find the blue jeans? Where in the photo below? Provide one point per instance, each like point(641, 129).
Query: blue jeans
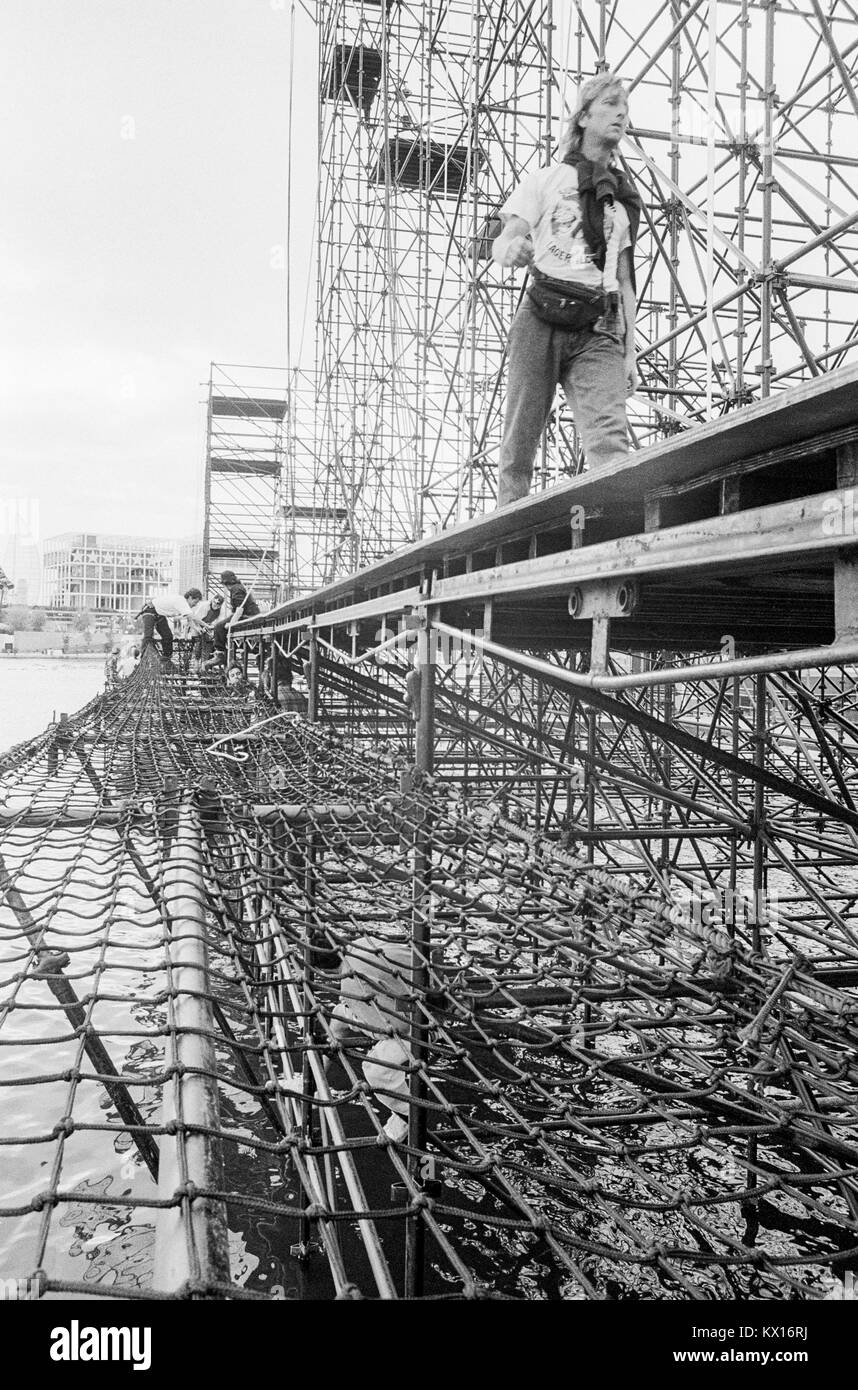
point(589, 363)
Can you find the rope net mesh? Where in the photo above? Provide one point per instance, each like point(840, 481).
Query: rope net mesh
point(281, 1017)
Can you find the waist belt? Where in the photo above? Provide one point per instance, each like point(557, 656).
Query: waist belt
point(563, 302)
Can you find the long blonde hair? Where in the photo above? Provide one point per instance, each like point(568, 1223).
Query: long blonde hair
point(588, 92)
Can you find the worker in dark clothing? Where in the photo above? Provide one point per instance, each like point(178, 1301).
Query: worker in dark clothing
point(156, 613)
point(240, 603)
point(237, 604)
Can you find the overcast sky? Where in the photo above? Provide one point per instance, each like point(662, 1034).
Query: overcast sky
point(143, 149)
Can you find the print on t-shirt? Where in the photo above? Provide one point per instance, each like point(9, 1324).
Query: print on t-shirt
point(548, 202)
point(567, 237)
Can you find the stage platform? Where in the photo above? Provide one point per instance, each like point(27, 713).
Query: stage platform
point(744, 527)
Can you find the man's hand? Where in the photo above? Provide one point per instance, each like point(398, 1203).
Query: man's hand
point(518, 251)
point(632, 378)
point(513, 247)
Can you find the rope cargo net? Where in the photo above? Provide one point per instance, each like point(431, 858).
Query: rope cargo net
point(283, 1017)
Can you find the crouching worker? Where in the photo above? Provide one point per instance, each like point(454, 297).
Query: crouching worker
point(237, 603)
point(209, 653)
point(156, 614)
point(574, 225)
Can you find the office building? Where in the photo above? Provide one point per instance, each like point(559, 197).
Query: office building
point(104, 573)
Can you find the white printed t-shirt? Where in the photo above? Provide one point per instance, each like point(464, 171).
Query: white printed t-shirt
point(548, 201)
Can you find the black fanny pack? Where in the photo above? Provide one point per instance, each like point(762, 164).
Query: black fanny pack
point(564, 303)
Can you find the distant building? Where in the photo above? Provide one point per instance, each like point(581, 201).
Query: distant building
point(20, 554)
point(188, 569)
point(105, 574)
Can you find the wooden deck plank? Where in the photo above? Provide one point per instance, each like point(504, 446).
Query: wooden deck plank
point(785, 421)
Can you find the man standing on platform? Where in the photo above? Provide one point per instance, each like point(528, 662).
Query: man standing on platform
point(574, 225)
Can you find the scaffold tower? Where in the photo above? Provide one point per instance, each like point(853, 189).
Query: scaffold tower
point(430, 114)
point(244, 502)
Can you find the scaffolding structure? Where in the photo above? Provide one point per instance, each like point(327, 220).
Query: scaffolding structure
point(316, 530)
point(431, 112)
point(318, 1003)
point(620, 814)
point(519, 958)
point(243, 526)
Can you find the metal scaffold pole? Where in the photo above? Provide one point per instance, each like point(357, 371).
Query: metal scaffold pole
point(421, 947)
